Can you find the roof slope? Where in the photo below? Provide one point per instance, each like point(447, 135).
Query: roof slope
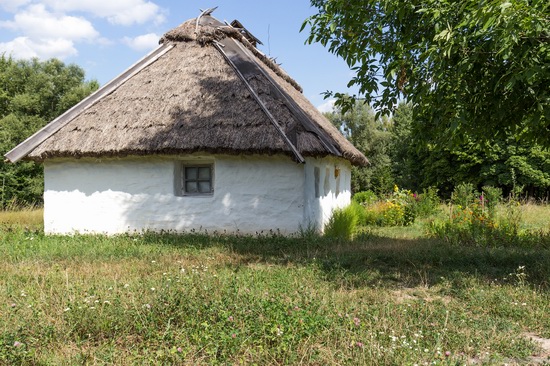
point(207, 89)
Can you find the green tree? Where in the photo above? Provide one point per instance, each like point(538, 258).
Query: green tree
point(420, 160)
point(372, 137)
point(471, 68)
point(31, 94)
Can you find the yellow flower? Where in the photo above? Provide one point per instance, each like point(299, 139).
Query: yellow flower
point(395, 188)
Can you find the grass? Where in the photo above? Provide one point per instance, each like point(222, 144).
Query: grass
point(389, 297)
point(30, 217)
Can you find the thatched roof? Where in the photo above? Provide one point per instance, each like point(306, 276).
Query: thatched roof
point(205, 89)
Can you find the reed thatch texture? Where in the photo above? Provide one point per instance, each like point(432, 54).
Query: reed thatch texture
point(192, 100)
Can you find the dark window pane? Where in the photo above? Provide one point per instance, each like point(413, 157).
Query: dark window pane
point(191, 173)
point(204, 187)
point(204, 173)
point(191, 187)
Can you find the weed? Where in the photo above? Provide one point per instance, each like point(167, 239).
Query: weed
point(343, 222)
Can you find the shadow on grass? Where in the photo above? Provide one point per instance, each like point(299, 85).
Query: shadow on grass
point(377, 261)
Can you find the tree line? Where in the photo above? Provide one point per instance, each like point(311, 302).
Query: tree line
point(407, 152)
point(32, 93)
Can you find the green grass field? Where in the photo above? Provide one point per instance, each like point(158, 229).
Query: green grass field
point(390, 297)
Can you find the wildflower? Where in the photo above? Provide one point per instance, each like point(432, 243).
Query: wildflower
point(13, 305)
point(359, 344)
point(233, 335)
point(66, 309)
point(147, 306)
point(17, 344)
point(279, 331)
point(179, 349)
point(126, 285)
point(152, 289)
point(447, 353)
point(356, 321)
point(230, 318)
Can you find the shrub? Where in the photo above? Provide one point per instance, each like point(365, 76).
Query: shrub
point(463, 195)
point(490, 198)
point(365, 198)
point(426, 203)
point(343, 222)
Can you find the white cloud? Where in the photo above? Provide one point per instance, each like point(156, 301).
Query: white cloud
point(12, 5)
point(121, 12)
point(144, 42)
point(37, 23)
point(328, 106)
point(23, 47)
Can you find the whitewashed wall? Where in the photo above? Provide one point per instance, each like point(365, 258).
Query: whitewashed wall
point(251, 194)
point(334, 189)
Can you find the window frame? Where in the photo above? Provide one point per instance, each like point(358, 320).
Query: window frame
point(182, 179)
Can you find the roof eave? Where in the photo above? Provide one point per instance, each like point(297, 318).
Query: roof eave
point(27, 146)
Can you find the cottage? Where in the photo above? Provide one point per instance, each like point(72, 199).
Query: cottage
point(203, 133)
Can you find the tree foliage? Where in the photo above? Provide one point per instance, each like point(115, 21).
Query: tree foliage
point(470, 68)
point(405, 151)
point(372, 137)
point(31, 94)
point(420, 160)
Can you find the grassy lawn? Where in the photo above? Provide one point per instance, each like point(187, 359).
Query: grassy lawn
point(390, 297)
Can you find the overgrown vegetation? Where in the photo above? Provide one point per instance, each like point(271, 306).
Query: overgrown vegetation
point(474, 220)
point(197, 299)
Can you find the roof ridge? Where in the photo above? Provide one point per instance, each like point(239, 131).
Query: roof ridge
point(238, 66)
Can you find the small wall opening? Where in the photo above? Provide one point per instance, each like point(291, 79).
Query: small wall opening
point(317, 174)
point(327, 181)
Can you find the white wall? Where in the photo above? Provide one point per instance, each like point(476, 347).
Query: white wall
point(333, 192)
point(251, 194)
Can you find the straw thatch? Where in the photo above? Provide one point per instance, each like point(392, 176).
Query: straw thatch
point(194, 99)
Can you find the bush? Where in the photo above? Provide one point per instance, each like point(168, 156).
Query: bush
point(343, 222)
point(365, 198)
point(491, 197)
point(464, 195)
point(426, 203)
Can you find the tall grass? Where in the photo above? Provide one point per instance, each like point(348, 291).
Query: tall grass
point(30, 217)
point(343, 222)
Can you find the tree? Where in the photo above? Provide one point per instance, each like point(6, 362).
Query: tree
point(420, 161)
point(475, 68)
point(31, 94)
point(372, 137)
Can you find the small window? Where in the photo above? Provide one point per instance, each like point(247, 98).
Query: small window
point(327, 181)
point(317, 175)
point(337, 175)
point(197, 179)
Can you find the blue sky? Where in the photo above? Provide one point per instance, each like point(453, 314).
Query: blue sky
point(107, 36)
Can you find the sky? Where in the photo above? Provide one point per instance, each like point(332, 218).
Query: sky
point(105, 37)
